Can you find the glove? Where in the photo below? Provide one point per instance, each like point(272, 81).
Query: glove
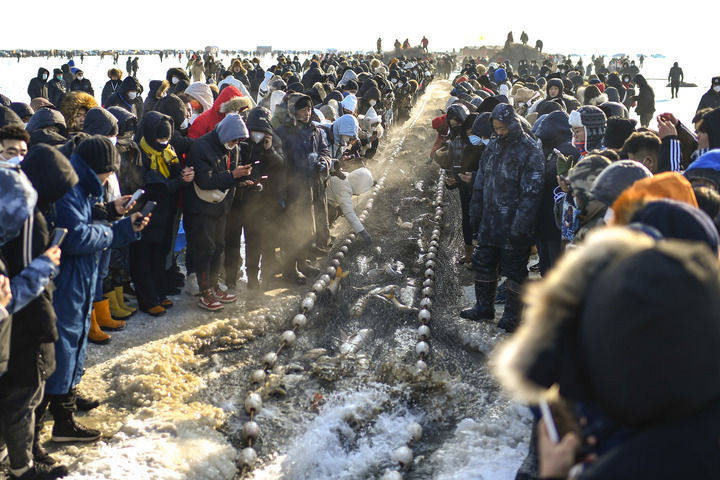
point(366, 236)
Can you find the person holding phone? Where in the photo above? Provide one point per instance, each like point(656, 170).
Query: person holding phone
point(94, 159)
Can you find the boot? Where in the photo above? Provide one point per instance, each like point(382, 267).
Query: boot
point(484, 308)
point(468, 254)
point(116, 310)
point(95, 335)
point(513, 307)
point(66, 429)
point(120, 297)
point(103, 317)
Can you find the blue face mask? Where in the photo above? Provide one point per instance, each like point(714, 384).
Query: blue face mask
point(475, 140)
point(485, 141)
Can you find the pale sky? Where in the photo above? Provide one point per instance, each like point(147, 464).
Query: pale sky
point(610, 26)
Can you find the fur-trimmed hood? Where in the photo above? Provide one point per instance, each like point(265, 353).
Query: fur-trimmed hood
point(235, 104)
point(544, 350)
point(158, 88)
point(71, 103)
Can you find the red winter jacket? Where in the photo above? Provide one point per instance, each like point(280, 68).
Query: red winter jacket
point(209, 118)
point(441, 126)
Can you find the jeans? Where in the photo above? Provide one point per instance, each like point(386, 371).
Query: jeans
point(17, 419)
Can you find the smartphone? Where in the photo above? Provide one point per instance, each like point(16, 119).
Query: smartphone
point(58, 235)
point(549, 421)
point(149, 207)
point(135, 196)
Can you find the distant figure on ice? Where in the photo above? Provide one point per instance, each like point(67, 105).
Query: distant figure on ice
point(406, 44)
point(675, 77)
point(642, 60)
point(524, 38)
point(645, 100)
point(379, 45)
point(424, 44)
point(134, 66)
point(509, 39)
point(128, 66)
point(397, 45)
point(539, 45)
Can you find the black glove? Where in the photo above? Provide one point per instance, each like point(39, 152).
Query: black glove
point(366, 236)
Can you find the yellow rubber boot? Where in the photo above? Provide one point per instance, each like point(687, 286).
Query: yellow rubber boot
point(116, 311)
point(103, 317)
point(120, 296)
point(95, 335)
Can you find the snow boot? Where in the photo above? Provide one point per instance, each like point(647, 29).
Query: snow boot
point(484, 308)
point(103, 317)
point(513, 307)
point(120, 297)
point(95, 335)
point(116, 311)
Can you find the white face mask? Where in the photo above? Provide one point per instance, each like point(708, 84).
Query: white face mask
point(184, 125)
point(230, 146)
point(45, 75)
point(257, 137)
point(717, 88)
point(164, 144)
point(113, 140)
point(372, 103)
point(175, 80)
point(132, 95)
point(16, 160)
point(79, 77)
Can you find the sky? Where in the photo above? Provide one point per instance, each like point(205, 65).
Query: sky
point(609, 27)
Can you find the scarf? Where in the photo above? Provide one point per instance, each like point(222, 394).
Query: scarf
point(159, 160)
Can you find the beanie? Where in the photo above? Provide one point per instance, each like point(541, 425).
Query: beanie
point(614, 179)
point(617, 131)
point(500, 75)
point(99, 153)
point(303, 102)
point(99, 121)
point(594, 121)
point(231, 128)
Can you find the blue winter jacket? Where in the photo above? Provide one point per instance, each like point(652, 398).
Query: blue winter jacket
point(78, 271)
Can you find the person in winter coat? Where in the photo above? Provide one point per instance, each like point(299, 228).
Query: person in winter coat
point(201, 99)
point(215, 159)
point(256, 77)
point(47, 126)
point(38, 85)
point(371, 131)
point(308, 159)
point(164, 177)
point(554, 132)
point(93, 161)
point(30, 271)
point(345, 131)
point(258, 209)
point(579, 335)
point(74, 107)
point(554, 92)
point(675, 77)
point(32, 355)
point(129, 172)
point(158, 89)
point(82, 84)
point(313, 75)
point(128, 97)
point(197, 70)
point(645, 100)
point(591, 212)
point(175, 75)
point(340, 189)
point(239, 72)
point(711, 98)
point(111, 86)
point(229, 101)
point(506, 197)
point(56, 87)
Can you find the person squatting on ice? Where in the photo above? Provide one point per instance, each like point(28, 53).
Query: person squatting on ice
point(618, 330)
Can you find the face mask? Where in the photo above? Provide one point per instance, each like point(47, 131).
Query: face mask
point(230, 146)
point(475, 140)
point(184, 125)
point(717, 88)
point(394, 80)
point(44, 76)
point(79, 77)
point(372, 103)
point(257, 137)
point(132, 95)
point(59, 77)
point(175, 80)
point(400, 85)
point(485, 141)
point(113, 140)
point(164, 144)
point(16, 160)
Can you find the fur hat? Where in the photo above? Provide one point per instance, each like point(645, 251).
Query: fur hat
point(99, 153)
point(663, 185)
point(72, 102)
point(115, 71)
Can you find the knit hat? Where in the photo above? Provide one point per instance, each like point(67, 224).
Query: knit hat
point(303, 102)
point(500, 75)
point(349, 103)
point(99, 121)
point(99, 153)
point(614, 179)
point(583, 174)
point(679, 220)
point(231, 128)
point(594, 121)
point(614, 109)
point(618, 130)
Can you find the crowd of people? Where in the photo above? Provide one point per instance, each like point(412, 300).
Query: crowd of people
point(94, 195)
point(619, 334)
